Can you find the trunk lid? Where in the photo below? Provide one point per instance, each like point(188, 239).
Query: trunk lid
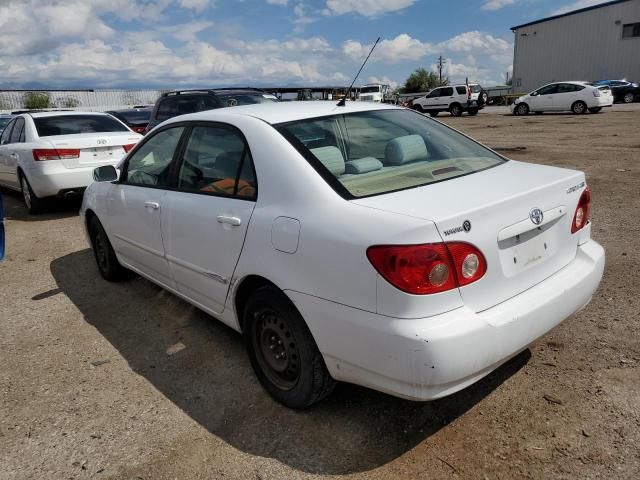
point(495, 210)
point(95, 148)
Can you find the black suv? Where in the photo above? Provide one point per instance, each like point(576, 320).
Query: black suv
point(181, 102)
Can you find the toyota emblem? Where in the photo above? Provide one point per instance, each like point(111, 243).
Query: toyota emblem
point(536, 216)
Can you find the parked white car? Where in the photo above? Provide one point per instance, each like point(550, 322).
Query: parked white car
point(454, 99)
point(46, 154)
point(577, 97)
point(365, 243)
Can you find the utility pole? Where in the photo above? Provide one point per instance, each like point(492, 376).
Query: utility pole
point(441, 63)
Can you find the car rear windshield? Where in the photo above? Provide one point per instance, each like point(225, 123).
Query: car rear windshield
point(135, 116)
point(475, 88)
point(72, 124)
point(375, 152)
point(4, 121)
point(235, 99)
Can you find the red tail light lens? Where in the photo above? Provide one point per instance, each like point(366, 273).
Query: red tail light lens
point(44, 154)
point(428, 268)
point(581, 217)
point(139, 129)
point(129, 147)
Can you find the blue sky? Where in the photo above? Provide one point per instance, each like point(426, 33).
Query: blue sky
point(180, 43)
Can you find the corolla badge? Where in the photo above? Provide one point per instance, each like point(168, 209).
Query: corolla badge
point(536, 216)
point(101, 141)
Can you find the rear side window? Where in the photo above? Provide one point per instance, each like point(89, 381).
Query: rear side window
point(569, 88)
point(461, 90)
point(217, 161)
point(17, 135)
point(74, 124)
point(446, 92)
point(150, 164)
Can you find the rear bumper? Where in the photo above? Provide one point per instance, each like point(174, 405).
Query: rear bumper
point(428, 358)
point(53, 178)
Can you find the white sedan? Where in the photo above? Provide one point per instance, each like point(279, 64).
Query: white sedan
point(46, 154)
point(365, 243)
point(576, 97)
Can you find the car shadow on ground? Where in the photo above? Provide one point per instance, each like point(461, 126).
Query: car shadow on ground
point(55, 208)
point(354, 430)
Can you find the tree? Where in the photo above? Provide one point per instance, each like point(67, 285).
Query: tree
point(36, 100)
point(422, 80)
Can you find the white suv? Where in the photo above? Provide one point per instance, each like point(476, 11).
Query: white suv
point(454, 99)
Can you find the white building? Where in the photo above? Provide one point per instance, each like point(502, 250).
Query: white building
point(593, 43)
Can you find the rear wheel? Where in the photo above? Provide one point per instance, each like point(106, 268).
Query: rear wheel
point(628, 97)
point(33, 203)
point(521, 109)
point(108, 265)
point(282, 351)
point(455, 110)
point(579, 108)
point(595, 109)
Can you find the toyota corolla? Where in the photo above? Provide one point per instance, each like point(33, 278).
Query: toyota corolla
point(361, 243)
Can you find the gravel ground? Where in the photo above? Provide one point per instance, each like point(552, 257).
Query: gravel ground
point(87, 389)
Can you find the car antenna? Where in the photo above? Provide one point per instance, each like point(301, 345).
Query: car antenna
point(343, 101)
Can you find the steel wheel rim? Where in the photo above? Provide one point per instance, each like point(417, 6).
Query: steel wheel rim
point(276, 349)
point(522, 109)
point(26, 194)
point(579, 108)
point(628, 98)
point(101, 252)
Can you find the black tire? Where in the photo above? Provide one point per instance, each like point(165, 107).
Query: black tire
point(521, 109)
point(579, 107)
point(282, 351)
point(595, 109)
point(455, 110)
point(33, 203)
point(418, 108)
point(434, 113)
point(108, 265)
point(628, 97)
point(473, 111)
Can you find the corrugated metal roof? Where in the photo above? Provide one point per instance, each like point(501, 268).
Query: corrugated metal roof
point(586, 9)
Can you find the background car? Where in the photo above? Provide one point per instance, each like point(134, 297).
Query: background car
point(136, 118)
point(623, 91)
point(181, 102)
point(356, 243)
point(45, 154)
point(454, 99)
point(577, 97)
point(1, 228)
point(4, 120)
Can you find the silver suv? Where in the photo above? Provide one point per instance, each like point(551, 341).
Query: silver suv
point(454, 99)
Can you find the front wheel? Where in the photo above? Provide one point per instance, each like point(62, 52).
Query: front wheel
point(282, 351)
point(417, 108)
point(628, 98)
point(521, 109)
point(595, 109)
point(108, 265)
point(33, 203)
point(579, 108)
point(455, 110)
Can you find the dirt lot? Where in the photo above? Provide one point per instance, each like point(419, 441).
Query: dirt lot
point(87, 390)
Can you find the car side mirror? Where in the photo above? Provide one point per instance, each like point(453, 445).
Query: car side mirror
point(106, 173)
point(534, 94)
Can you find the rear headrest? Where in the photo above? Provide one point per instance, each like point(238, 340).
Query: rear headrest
point(331, 157)
point(363, 165)
point(405, 149)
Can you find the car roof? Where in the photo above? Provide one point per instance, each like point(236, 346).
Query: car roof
point(214, 91)
point(280, 112)
point(129, 110)
point(61, 113)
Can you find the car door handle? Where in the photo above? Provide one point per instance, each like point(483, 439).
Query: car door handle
point(154, 205)
point(235, 221)
point(14, 155)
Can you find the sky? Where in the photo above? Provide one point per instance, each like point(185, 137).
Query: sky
point(211, 43)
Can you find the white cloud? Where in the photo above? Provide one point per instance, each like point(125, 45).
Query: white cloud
point(197, 5)
point(368, 8)
point(399, 49)
point(277, 2)
point(384, 81)
point(492, 5)
point(476, 42)
point(577, 6)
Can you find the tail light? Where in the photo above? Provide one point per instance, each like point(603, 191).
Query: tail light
point(428, 268)
point(596, 93)
point(581, 217)
point(139, 129)
point(44, 154)
point(469, 92)
point(128, 147)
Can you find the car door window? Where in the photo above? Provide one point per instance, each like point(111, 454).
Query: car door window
point(149, 166)
point(18, 131)
point(548, 90)
point(217, 161)
point(6, 133)
point(461, 90)
point(434, 93)
point(446, 92)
